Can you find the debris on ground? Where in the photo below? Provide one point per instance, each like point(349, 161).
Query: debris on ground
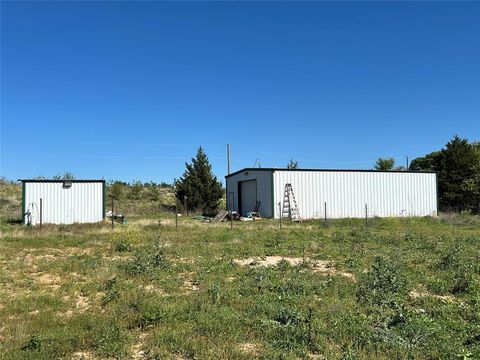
point(223, 215)
point(119, 217)
point(220, 216)
point(203, 218)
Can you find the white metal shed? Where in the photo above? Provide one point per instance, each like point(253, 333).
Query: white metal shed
point(334, 193)
point(63, 201)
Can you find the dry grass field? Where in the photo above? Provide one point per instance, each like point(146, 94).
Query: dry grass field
point(399, 289)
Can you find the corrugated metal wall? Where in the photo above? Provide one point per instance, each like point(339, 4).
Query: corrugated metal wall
point(346, 193)
point(264, 190)
point(81, 203)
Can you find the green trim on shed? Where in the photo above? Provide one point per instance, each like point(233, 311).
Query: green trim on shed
point(104, 199)
point(23, 203)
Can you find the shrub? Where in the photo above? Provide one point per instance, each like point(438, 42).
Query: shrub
point(111, 291)
point(452, 258)
point(383, 285)
point(148, 261)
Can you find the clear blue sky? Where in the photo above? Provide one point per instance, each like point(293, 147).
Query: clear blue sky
point(125, 90)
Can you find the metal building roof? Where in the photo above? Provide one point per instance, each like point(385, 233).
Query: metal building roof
point(59, 181)
point(338, 170)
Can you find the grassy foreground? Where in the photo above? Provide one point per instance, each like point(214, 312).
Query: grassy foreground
point(399, 289)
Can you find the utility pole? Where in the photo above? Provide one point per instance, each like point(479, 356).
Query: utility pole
point(228, 158)
point(407, 162)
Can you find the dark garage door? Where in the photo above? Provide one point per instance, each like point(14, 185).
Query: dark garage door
point(248, 196)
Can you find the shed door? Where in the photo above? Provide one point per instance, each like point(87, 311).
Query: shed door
point(248, 196)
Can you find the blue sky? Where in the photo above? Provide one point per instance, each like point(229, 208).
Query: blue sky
point(125, 90)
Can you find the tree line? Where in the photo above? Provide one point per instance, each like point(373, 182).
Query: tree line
point(457, 166)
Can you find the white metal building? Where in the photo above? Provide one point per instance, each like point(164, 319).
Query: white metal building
point(334, 193)
point(63, 201)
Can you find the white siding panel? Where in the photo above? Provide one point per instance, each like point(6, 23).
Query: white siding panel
point(346, 193)
point(81, 203)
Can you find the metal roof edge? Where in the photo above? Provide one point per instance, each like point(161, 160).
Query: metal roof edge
point(59, 181)
point(332, 170)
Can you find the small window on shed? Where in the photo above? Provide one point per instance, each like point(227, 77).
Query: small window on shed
point(67, 184)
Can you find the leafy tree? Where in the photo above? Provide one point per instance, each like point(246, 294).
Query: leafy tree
point(456, 166)
point(67, 175)
point(153, 193)
point(384, 164)
point(199, 185)
point(116, 190)
point(292, 164)
point(458, 169)
point(429, 162)
point(471, 186)
point(136, 189)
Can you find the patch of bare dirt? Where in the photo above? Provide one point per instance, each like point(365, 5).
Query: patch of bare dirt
point(185, 260)
point(328, 267)
point(321, 266)
point(14, 292)
point(136, 349)
point(67, 314)
point(120, 258)
point(249, 348)
point(267, 261)
point(189, 284)
point(82, 355)
point(35, 254)
point(47, 280)
point(32, 257)
point(414, 294)
point(82, 303)
point(315, 357)
point(153, 290)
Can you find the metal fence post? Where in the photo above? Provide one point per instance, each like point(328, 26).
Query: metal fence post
point(113, 217)
point(366, 215)
point(280, 213)
point(325, 213)
point(41, 212)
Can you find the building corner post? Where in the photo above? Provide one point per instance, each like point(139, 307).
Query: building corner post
point(273, 196)
point(23, 202)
